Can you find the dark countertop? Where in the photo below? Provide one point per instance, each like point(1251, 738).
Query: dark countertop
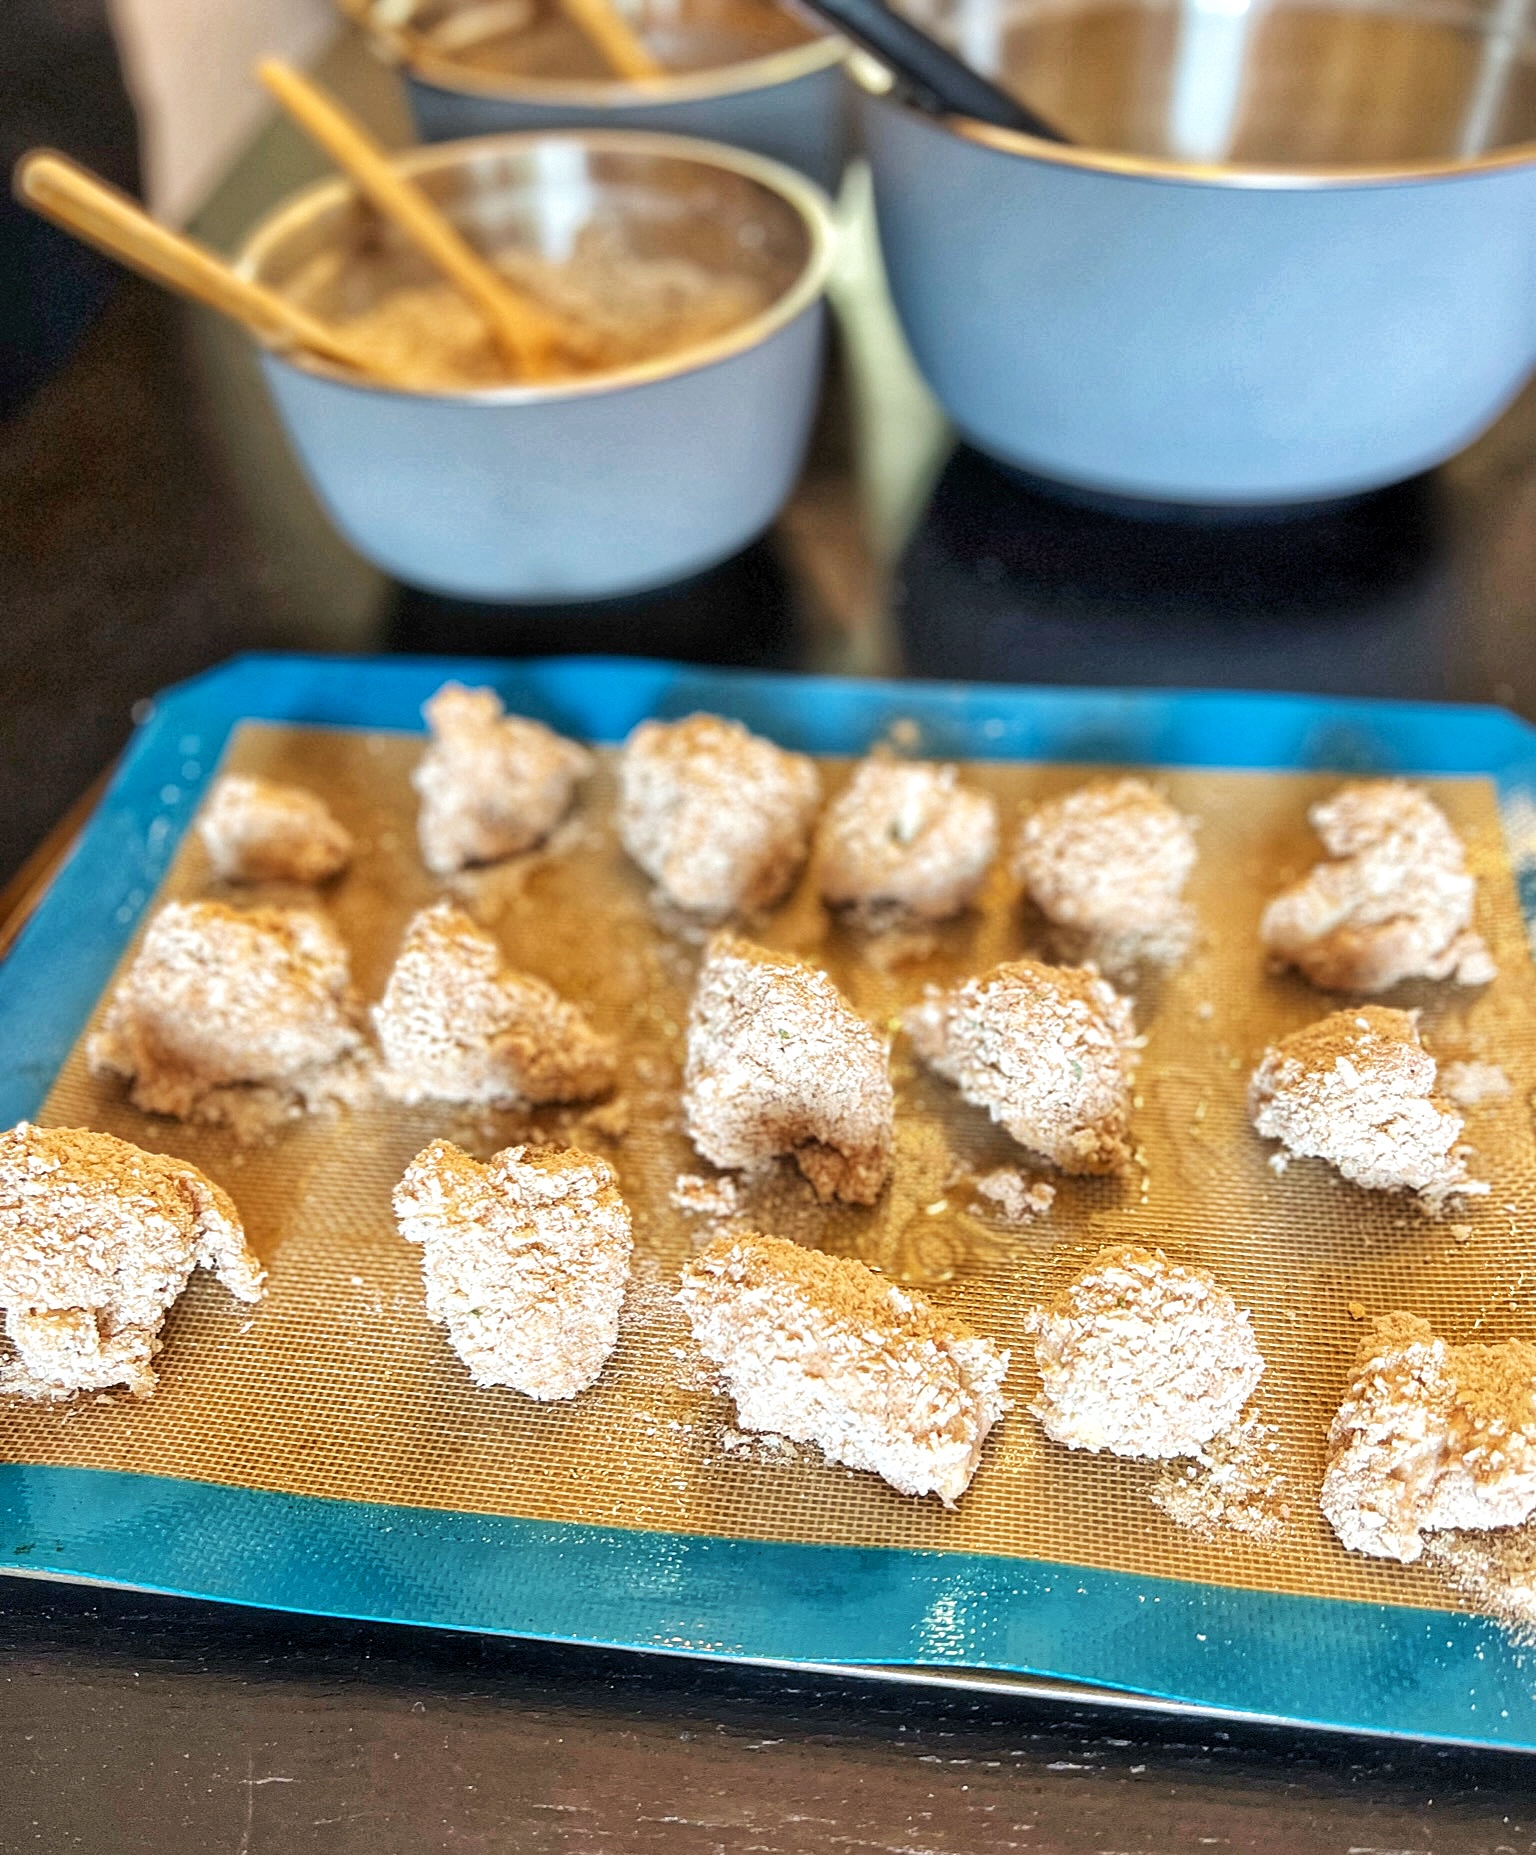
point(132, 1724)
point(155, 525)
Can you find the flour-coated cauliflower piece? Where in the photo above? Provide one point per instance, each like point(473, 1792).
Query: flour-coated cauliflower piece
point(716, 816)
point(97, 1240)
point(1396, 901)
point(491, 784)
point(256, 830)
point(524, 1258)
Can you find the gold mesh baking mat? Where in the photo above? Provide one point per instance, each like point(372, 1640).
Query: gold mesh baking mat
point(337, 1384)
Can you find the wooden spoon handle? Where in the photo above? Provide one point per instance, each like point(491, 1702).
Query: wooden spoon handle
point(72, 197)
point(526, 333)
point(627, 53)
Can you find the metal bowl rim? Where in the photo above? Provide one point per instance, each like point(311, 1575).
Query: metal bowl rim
point(724, 80)
point(875, 85)
point(808, 200)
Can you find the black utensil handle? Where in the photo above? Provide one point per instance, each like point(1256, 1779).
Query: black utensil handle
point(939, 79)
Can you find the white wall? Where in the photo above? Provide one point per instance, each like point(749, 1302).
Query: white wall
point(188, 64)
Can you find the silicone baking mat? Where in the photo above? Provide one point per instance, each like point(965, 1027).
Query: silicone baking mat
point(328, 1452)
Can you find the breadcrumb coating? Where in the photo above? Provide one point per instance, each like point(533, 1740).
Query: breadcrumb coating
point(1235, 1483)
point(906, 834)
point(491, 784)
point(1429, 1437)
point(820, 1349)
point(524, 1258)
point(218, 996)
point(256, 830)
point(1357, 1089)
point(97, 1239)
point(1395, 903)
point(1048, 1051)
point(779, 1063)
point(454, 1024)
point(1142, 1357)
point(717, 817)
point(1111, 859)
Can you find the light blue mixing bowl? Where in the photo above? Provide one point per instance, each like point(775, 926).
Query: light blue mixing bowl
point(1209, 331)
point(743, 75)
point(582, 489)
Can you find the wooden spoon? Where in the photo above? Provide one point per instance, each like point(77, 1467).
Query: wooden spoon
point(610, 32)
point(598, 21)
point(527, 335)
point(74, 198)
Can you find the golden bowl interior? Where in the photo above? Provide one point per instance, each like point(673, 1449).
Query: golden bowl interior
point(542, 197)
point(1273, 83)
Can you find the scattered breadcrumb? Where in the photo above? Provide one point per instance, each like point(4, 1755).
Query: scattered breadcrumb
point(454, 1024)
point(1014, 1196)
point(906, 834)
point(761, 1446)
point(97, 1239)
point(701, 1197)
point(524, 1260)
point(1430, 1437)
point(717, 817)
point(821, 1350)
point(491, 784)
point(609, 1120)
point(890, 944)
point(1048, 1051)
point(1469, 1085)
point(1495, 1571)
point(1233, 1484)
point(219, 998)
point(256, 830)
point(780, 1063)
point(1142, 1357)
point(1357, 1089)
point(1395, 903)
point(1111, 860)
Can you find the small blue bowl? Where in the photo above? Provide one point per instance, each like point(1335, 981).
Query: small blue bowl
point(606, 484)
point(732, 83)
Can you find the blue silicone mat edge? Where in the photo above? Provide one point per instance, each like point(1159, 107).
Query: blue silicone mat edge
point(1371, 1668)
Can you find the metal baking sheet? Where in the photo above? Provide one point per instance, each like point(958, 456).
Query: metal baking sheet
point(331, 1454)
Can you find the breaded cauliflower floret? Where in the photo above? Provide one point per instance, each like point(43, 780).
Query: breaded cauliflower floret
point(255, 830)
point(1048, 1051)
point(1430, 1437)
point(1141, 1357)
point(906, 834)
point(1396, 903)
point(821, 1350)
point(456, 1025)
point(97, 1239)
point(491, 784)
point(718, 818)
point(779, 1062)
point(218, 996)
point(1357, 1089)
point(1110, 861)
point(524, 1258)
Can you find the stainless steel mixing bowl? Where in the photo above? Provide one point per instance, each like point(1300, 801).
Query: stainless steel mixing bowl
point(1292, 256)
point(740, 71)
point(583, 488)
